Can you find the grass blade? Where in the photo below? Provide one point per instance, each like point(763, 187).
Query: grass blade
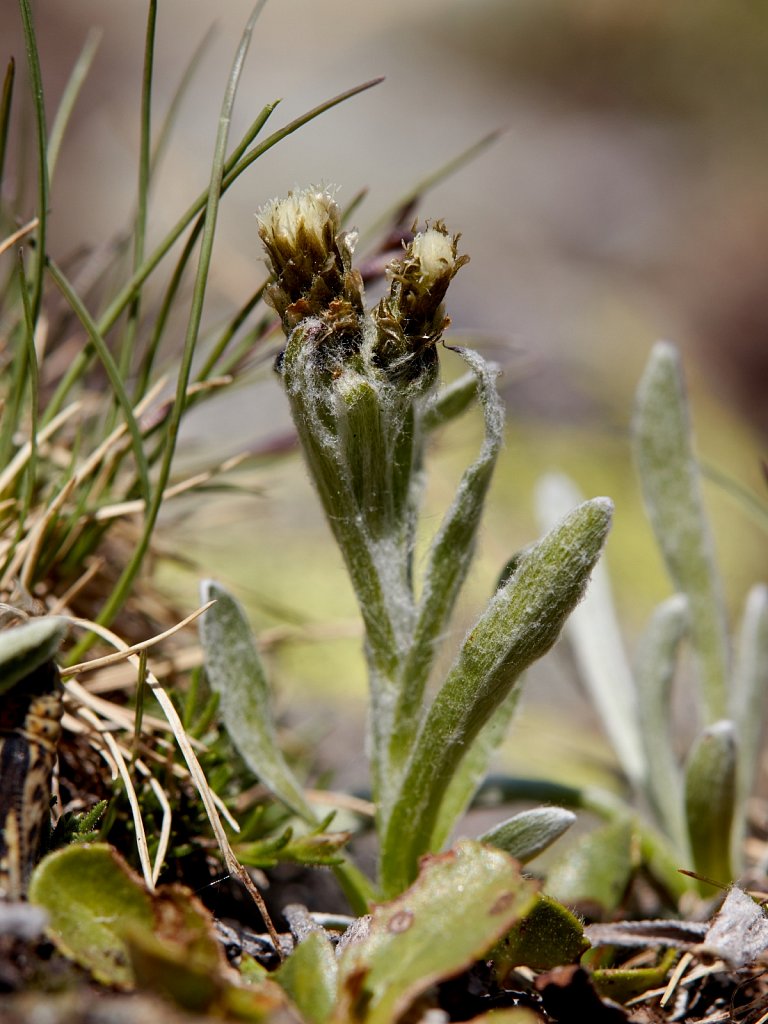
point(235, 167)
point(35, 74)
point(69, 98)
point(121, 588)
point(434, 178)
point(113, 373)
point(6, 102)
point(140, 220)
point(670, 482)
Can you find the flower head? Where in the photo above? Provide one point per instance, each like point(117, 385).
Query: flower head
point(410, 320)
point(310, 258)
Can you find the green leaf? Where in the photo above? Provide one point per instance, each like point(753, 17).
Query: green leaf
point(450, 402)
point(309, 975)
point(521, 623)
point(180, 957)
point(449, 559)
point(748, 701)
point(92, 897)
point(710, 790)
point(655, 672)
point(316, 848)
point(236, 674)
point(472, 770)
point(595, 637)
point(527, 834)
point(669, 478)
point(548, 936)
point(596, 870)
point(460, 905)
point(25, 648)
point(623, 984)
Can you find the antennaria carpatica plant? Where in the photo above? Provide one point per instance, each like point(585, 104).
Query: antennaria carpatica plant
point(364, 396)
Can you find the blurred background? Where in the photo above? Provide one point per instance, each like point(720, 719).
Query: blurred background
point(625, 199)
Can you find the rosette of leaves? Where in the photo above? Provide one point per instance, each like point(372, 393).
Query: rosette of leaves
point(697, 806)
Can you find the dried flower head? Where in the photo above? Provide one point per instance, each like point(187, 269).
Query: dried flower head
point(411, 319)
point(311, 259)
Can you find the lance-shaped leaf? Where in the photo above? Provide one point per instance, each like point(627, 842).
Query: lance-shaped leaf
point(597, 868)
point(655, 672)
point(670, 482)
point(527, 834)
point(748, 698)
point(710, 789)
point(472, 770)
point(309, 977)
point(236, 674)
point(452, 401)
point(319, 404)
point(521, 623)
point(92, 897)
point(594, 634)
point(25, 648)
point(549, 935)
point(448, 562)
point(462, 903)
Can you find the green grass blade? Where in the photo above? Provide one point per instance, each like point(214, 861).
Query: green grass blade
point(69, 98)
point(595, 637)
point(121, 588)
point(36, 78)
point(521, 623)
point(221, 344)
point(429, 182)
point(169, 120)
point(112, 371)
point(14, 401)
point(140, 220)
point(6, 103)
point(710, 790)
point(119, 304)
point(655, 672)
point(235, 167)
point(34, 386)
point(670, 482)
point(748, 700)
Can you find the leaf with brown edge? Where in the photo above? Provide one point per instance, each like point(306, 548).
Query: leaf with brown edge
point(462, 902)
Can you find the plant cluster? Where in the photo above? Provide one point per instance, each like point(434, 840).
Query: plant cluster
point(86, 455)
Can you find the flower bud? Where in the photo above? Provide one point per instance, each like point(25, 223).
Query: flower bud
point(311, 259)
point(411, 319)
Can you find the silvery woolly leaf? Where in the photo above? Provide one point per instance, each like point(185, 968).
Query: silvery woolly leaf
point(738, 933)
point(236, 674)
